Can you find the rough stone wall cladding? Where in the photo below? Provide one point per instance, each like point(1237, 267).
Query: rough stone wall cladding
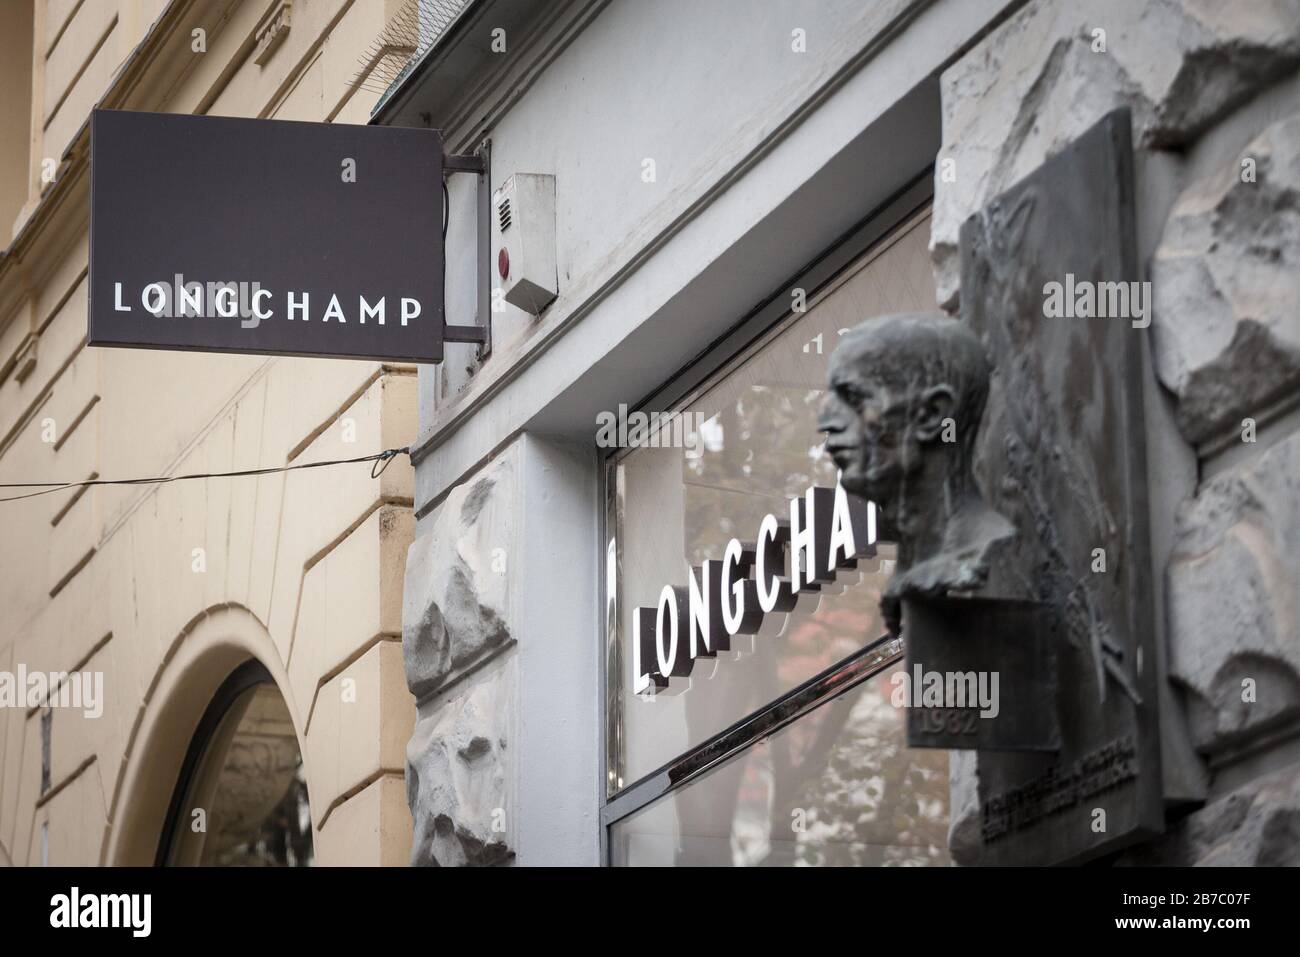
point(1226, 343)
point(1254, 826)
point(457, 641)
point(1226, 284)
point(1034, 84)
point(1234, 582)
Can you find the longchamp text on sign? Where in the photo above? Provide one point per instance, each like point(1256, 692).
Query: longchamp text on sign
point(271, 237)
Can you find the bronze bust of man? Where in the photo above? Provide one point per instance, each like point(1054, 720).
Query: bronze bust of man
point(906, 394)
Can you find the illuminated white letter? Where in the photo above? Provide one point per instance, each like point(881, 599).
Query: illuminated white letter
point(666, 630)
point(801, 544)
point(740, 612)
point(843, 548)
point(701, 618)
point(769, 565)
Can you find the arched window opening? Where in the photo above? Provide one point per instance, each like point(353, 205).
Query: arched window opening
point(241, 800)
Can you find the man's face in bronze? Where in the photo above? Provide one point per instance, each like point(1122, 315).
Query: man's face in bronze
point(867, 425)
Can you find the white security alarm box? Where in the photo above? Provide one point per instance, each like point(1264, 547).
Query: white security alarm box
point(523, 232)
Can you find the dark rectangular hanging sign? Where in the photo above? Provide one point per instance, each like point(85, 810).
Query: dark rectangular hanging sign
point(217, 234)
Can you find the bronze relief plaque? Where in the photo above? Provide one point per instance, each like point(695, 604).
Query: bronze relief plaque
point(1050, 285)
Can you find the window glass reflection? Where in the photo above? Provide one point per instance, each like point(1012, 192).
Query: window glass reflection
point(838, 787)
point(250, 789)
point(758, 447)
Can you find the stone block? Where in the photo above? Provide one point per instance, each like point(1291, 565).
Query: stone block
point(359, 726)
point(455, 608)
point(1042, 78)
point(459, 773)
point(1226, 283)
point(964, 841)
point(1257, 825)
point(370, 829)
point(1234, 600)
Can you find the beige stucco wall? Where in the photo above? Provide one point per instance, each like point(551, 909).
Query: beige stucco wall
point(301, 570)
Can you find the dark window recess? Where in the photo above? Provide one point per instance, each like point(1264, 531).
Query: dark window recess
point(47, 725)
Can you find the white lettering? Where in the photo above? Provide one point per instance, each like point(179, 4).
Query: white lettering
point(256, 310)
point(731, 587)
point(666, 631)
point(333, 311)
point(160, 294)
point(226, 310)
point(376, 312)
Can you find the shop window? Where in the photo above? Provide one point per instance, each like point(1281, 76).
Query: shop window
point(835, 788)
point(785, 749)
point(242, 796)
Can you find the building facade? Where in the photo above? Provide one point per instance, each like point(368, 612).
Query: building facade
point(736, 186)
point(666, 217)
point(246, 630)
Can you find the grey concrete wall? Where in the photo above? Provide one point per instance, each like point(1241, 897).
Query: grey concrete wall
point(763, 158)
point(560, 777)
point(694, 87)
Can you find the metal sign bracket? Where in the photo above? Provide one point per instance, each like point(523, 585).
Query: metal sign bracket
point(479, 164)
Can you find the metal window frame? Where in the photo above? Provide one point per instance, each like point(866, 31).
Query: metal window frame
point(844, 675)
point(478, 163)
point(619, 800)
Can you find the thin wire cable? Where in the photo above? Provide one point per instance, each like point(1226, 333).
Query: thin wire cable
point(46, 488)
